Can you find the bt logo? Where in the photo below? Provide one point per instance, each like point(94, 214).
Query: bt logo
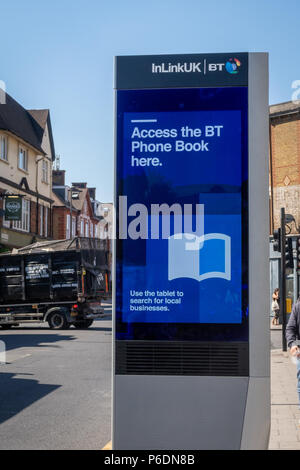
point(233, 65)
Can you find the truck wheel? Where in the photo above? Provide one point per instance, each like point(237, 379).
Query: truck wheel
point(57, 321)
point(83, 324)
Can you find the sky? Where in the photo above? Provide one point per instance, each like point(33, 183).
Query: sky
point(59, 55)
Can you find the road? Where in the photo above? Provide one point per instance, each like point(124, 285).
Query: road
point(55, 388)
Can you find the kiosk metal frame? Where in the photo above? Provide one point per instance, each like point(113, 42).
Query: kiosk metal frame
point(194, 411)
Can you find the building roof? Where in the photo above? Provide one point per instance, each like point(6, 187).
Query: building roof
point(78, 203)
point(58, 200)
point(28, 125)
point(286, 108)
point(40, 115)
point(75, 243)
point(42, 118)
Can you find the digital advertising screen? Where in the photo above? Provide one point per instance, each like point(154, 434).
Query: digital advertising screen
point(182, 212)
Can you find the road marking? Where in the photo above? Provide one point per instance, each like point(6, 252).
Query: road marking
point(108, 446)
point(13, 357)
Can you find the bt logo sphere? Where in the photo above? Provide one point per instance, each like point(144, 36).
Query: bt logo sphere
point(233, 65)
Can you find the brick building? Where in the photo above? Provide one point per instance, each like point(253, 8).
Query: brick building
point(26, 155)
point(284, 163)
point(73, 213)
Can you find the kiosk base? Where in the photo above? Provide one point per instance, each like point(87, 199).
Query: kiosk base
point(183, 413)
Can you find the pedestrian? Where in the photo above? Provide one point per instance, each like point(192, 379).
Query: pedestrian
point(292, 334)
point(275, 307)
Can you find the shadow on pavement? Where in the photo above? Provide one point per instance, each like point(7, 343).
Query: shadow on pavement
point(14, 339)
point(19, 393)
point(18, 340)
point(98, 328)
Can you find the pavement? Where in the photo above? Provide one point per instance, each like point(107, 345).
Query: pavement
point(285, 413)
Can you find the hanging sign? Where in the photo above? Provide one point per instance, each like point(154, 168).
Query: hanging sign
point(13, 208)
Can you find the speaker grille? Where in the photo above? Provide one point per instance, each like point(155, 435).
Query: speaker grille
point(181, 358)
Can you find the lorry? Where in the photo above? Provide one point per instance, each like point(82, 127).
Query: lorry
point(61, 282)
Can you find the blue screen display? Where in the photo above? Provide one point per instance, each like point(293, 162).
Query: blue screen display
point(182, 261)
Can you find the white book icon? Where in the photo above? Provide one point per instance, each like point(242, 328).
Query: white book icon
point(185, 260)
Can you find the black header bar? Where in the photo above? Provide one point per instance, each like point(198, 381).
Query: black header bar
point(188, 70)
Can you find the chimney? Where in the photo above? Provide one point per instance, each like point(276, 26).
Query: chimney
point(58, 177)
point(92, 193)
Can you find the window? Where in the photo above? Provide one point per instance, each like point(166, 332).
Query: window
point(73, 226)
point(41, 220)
point(24, 223)
point(46, 221)
point(92, 230)
point(86, 229)
point(3, 148)
point(106, 231)
point(23, 159)
point(44, 171)
point(68, 226)
point(82, 227)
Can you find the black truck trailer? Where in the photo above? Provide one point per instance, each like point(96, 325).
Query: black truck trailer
point(60, 282)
